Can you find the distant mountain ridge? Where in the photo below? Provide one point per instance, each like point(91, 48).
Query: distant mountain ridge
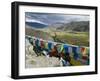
point(80, 26)
point(75, 26)
point(36, 24)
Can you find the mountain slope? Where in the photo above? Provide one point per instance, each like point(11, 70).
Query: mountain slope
point(81, 26)
point(37, 33)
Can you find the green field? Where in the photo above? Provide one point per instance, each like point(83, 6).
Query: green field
point(80, 39)
point(69, 37)
point(74, 38)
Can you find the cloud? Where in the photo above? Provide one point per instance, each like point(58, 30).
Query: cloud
point(49, 18)
point(34, 20)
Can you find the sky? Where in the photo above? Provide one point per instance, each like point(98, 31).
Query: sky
point(52, 18)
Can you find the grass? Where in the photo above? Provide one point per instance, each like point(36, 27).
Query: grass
point(74, 38)
point(78, 38)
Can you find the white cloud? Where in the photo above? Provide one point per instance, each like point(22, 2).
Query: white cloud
point(33, 20)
